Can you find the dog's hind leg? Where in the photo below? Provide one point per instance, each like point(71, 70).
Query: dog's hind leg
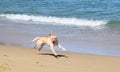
point(38, 45)
point(34, 48)
point(41, 46)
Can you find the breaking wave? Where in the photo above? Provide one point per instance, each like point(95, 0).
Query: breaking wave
point(55, 20)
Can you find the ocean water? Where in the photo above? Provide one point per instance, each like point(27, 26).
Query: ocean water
point(83, 26)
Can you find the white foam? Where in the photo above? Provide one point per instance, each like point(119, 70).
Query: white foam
point(55, 20)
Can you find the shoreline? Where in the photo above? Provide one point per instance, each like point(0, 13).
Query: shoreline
point(20, 59)
point(47, 49)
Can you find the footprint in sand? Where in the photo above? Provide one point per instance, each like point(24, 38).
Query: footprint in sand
point(4, 67)
point(5, 55)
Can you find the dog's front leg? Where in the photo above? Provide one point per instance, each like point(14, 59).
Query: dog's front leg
point(52, 48)
point(61, 47)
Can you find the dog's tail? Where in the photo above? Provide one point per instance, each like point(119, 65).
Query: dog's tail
point(36, 38)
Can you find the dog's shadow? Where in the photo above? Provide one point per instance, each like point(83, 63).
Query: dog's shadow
point(56, 56)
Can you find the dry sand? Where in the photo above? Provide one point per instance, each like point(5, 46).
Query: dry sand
point(18, 59)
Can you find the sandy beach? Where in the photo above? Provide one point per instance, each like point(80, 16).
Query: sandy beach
point(19, 59)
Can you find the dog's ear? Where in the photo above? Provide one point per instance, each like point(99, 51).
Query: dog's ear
point(50, 34)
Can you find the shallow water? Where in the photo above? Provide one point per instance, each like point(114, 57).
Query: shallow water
point(72, 38)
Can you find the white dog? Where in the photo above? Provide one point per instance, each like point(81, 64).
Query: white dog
point(51, 41)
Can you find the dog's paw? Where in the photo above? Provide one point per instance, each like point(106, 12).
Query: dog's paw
point(64, 49)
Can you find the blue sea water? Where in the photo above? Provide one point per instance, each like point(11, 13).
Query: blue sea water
point(94, 22)
point(88, 9)
point(81, 9)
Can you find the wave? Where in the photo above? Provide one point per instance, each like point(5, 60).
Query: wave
point(55, 20)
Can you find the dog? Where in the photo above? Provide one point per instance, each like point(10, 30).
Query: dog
point(51, 41)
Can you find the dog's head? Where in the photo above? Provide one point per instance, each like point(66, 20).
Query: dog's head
point(53, 37)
